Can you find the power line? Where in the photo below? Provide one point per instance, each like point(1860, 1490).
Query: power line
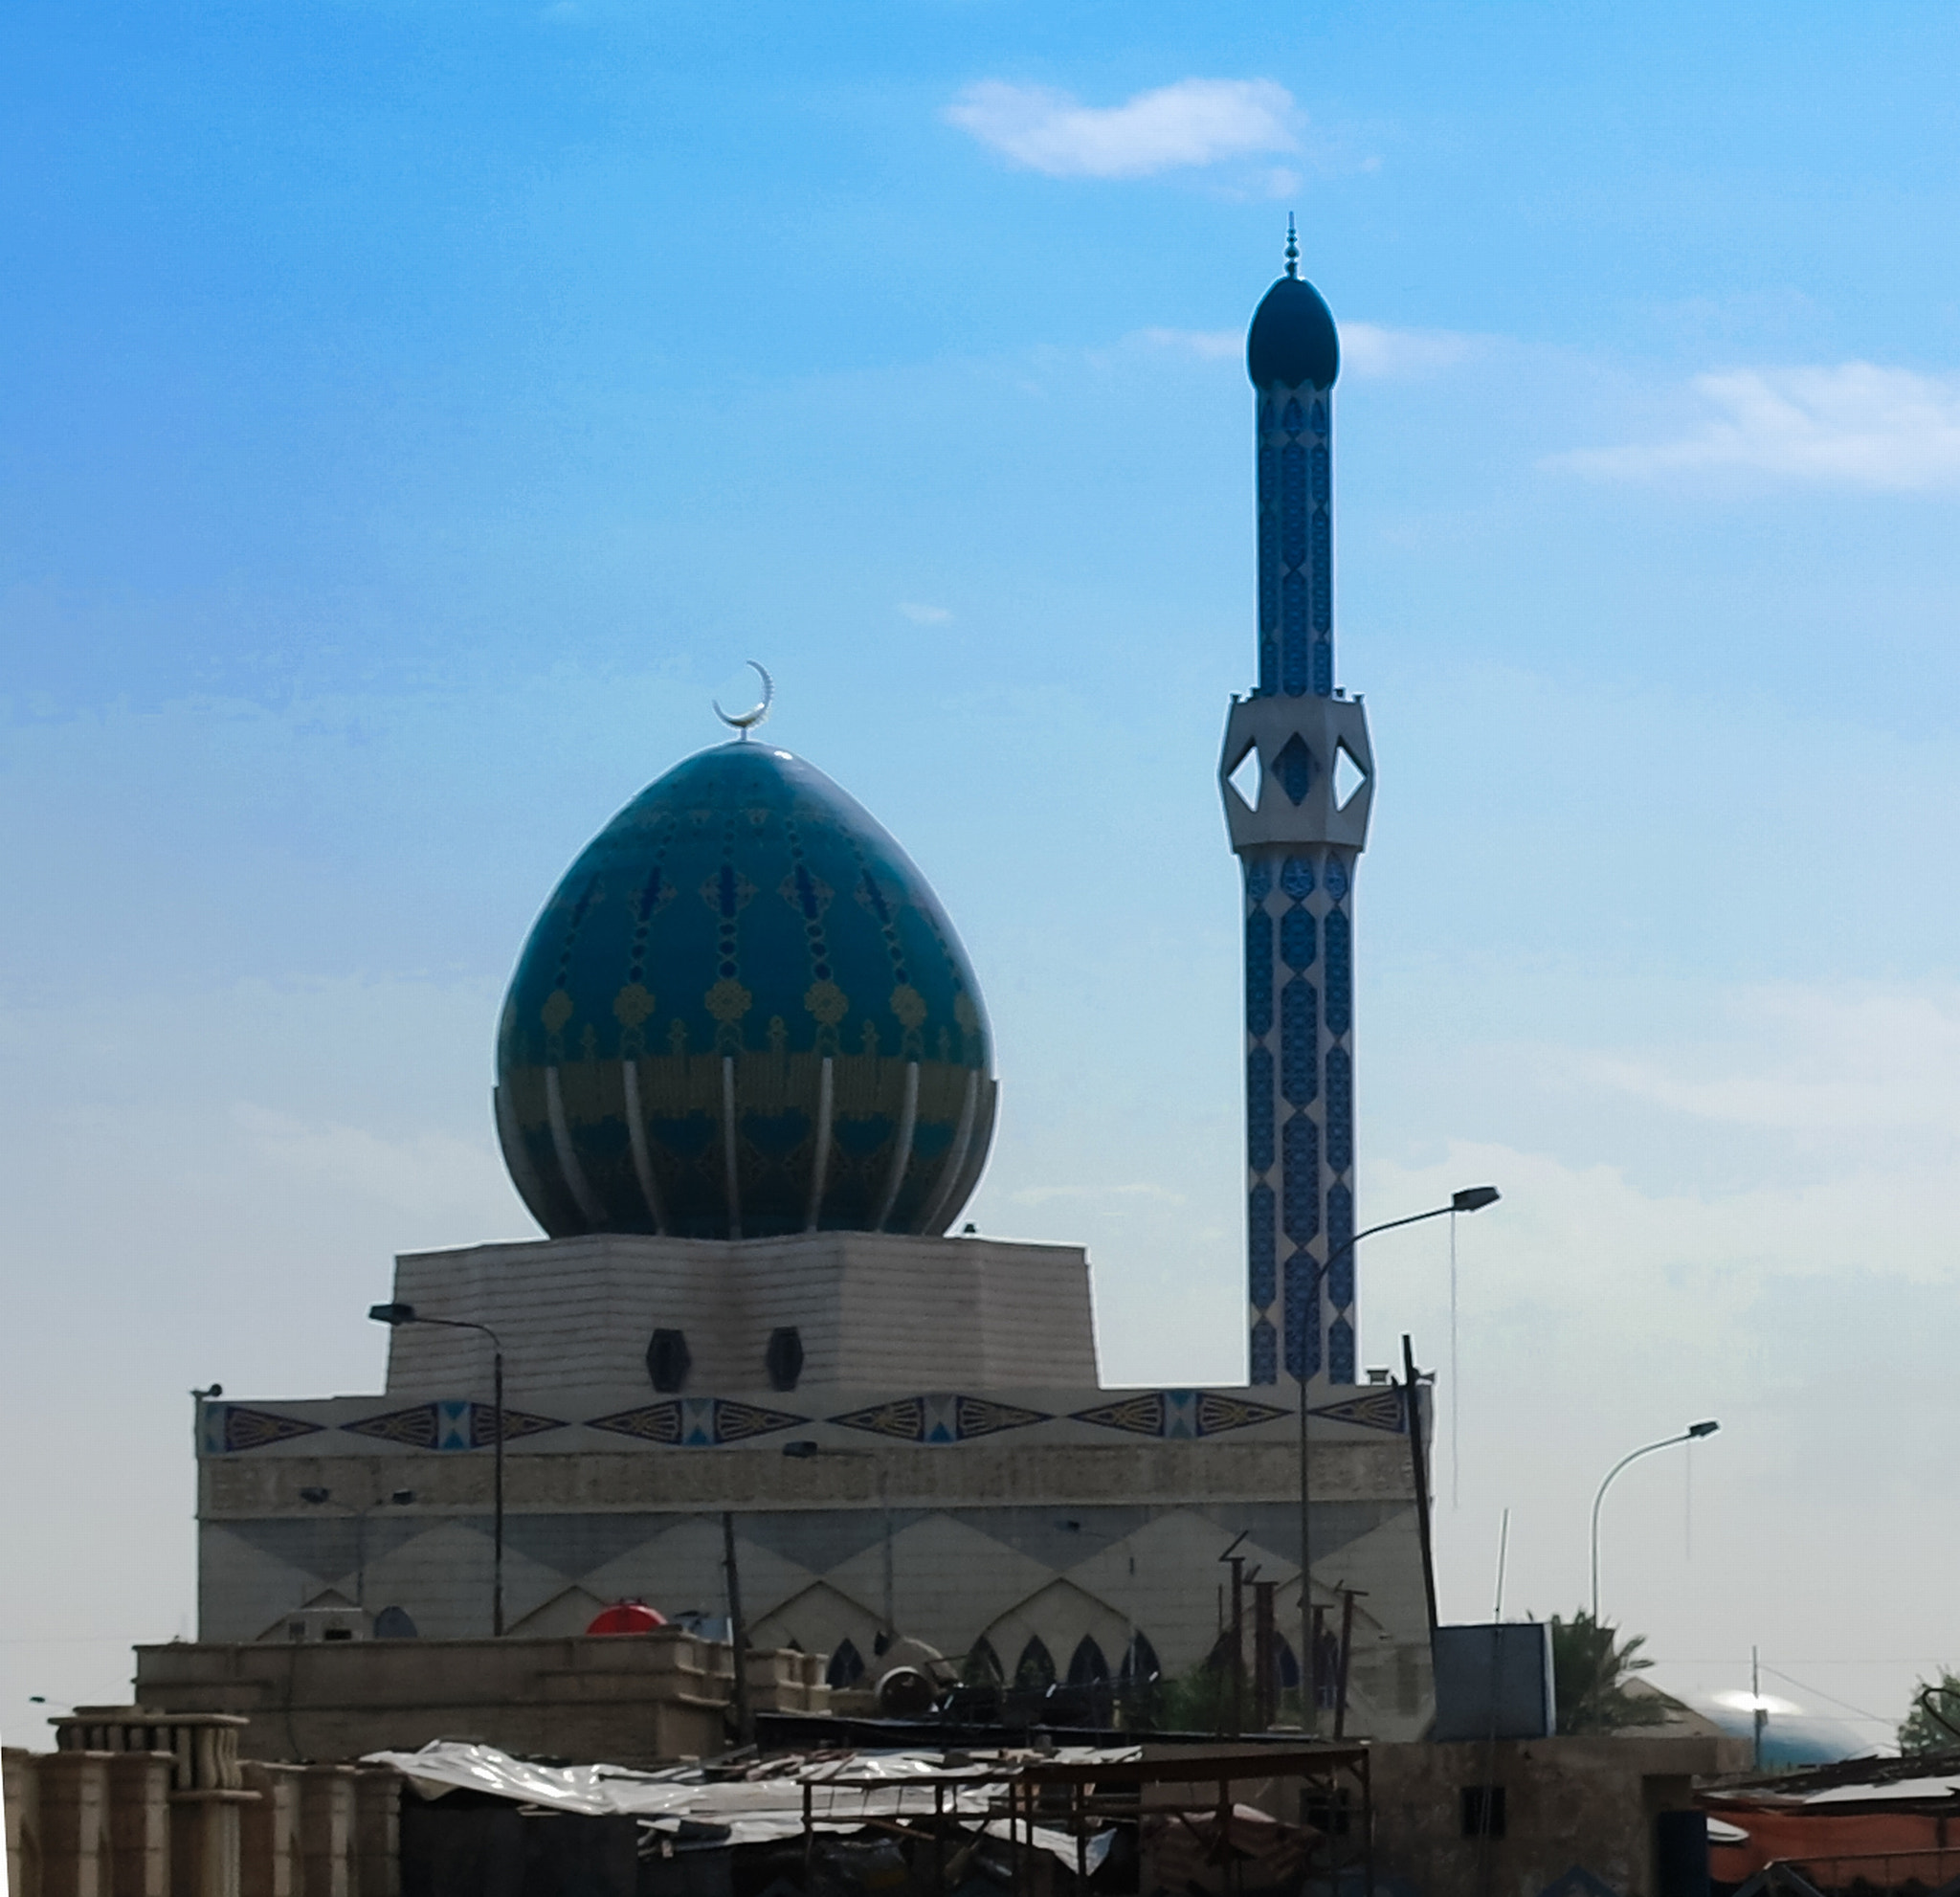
point(1790, 1680)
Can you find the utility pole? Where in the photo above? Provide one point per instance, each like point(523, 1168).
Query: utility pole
point(1266, 1681)
point(1759, 1716)
point(1348, 1598)
point(738, 1633)
point(1236, 1563)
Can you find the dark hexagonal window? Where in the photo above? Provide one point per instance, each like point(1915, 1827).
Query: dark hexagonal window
point(783, 1357)
point(668, 1361)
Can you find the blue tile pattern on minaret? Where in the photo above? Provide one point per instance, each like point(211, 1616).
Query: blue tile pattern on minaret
point(743, 1014)
point(1298, 841)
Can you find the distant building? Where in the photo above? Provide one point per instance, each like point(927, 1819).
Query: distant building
point(745, 1085)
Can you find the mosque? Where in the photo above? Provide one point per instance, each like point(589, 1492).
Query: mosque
point(746, 1086)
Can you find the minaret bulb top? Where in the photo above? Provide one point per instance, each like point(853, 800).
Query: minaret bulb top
point(1293, 343)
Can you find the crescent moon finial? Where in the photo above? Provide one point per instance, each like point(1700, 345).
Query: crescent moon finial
point(746, 721)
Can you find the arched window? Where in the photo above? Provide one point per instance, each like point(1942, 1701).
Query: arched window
point(1034, 1670)
point(1285, 1665)
point(847, 1666)
point(1086, 1666)
point(1140, 1661)
point(982, 1665)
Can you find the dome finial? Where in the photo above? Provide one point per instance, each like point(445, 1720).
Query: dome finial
point(1292, 248)
point(744, 722)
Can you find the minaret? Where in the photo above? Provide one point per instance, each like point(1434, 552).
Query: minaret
point(1298, 841)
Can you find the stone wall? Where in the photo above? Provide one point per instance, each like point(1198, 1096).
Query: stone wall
point(1589, 1802)
point(1063, 1542)
point(137, 1801)
point(628, 1699)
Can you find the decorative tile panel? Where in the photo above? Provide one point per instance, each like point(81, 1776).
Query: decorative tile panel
point(696, 1422)
point(1259, 1109)
point(1341, 1351)
point(230, 1428)
point(1339, 1109)
point(1302, 1182)
point(1303, 1315)
point(653, 1423)
point(1263, 1355)
point(1262, 1242)
point(1300, 1036)
point(1180, 1413)
point(1259, 972)
point(1338, 967)
point(938, 1418)
point(1380, 1408)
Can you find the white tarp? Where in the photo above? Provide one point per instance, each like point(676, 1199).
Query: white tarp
point(758, 1809)
point(1884, 1790)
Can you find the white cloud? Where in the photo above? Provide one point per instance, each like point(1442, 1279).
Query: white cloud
point(1856, 424)
point(1878, 1063)
point(1192, 122)
point(1369, 351)
point(1206, 345)
point(1112, 1198)
point(418, 1173)
point(922, 614)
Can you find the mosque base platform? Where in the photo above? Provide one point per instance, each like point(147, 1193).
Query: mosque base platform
point(932, 1457)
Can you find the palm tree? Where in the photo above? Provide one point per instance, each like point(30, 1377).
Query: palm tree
point(1592, 1669)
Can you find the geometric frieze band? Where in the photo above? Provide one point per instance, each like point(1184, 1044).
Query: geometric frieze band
point(228, 1427)
point(1381, 1407)
point(696, 1422)
point(449, 1424)
point(947, 1419)
point(702, 1422)
point(1180, 1412)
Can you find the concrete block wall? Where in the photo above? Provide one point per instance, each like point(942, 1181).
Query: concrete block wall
point(1037, 1533)
point(1590, 1802)
point(113, 1823)
point(269, 1831)
point(635, 1698)
point(140, 1822)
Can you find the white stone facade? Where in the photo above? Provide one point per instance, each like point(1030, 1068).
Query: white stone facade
point(954, 1470)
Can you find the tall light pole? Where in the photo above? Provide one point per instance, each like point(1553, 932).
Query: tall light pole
point(1471, 1198)
point(1692, 1433)
point(396, 1314)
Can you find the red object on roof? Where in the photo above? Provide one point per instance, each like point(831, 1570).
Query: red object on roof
point(627, 1616)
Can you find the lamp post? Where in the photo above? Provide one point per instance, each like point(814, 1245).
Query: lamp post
point(396, 1314)
point(1471, 1198)
point(1692, 1433)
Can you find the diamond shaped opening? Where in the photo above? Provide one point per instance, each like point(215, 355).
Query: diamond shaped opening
point(1348, 777)
point(1293, 767)
point(1245, 777)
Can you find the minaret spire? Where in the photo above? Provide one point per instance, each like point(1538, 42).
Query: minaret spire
point(1298, 829)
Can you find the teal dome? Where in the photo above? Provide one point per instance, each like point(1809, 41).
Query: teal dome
point(743, 1014)
point(1293, 342)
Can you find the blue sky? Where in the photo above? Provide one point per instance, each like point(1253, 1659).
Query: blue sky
point(415, 413)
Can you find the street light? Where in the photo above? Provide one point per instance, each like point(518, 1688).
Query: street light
point(1692, 1433)
point(1469, 1199)
point(395, 1314)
